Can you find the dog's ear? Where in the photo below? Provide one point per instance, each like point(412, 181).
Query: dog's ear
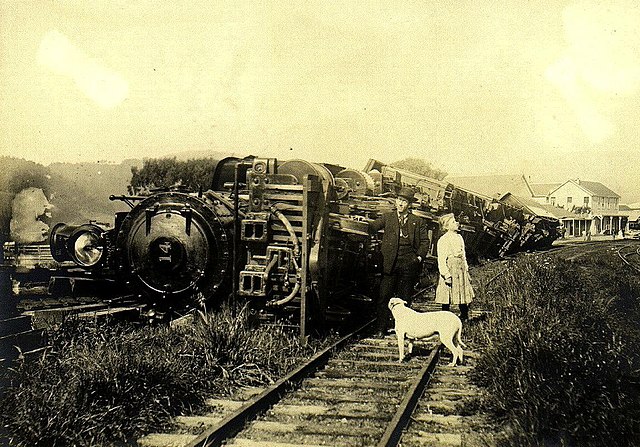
point(404, 302)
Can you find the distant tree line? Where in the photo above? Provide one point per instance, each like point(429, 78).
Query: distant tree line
point(17, 174)
point(197, 173)
point(192, 174)
point(420, 166)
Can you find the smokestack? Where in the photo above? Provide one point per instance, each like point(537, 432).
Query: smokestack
point(30, 216)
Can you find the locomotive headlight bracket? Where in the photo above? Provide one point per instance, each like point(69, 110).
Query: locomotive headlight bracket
point(82, 244)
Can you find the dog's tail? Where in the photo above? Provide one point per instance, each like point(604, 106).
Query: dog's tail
point(459, 334)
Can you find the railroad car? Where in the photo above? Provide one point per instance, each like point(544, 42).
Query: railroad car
point(491, 228)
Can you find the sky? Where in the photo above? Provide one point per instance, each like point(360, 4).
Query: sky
point(545, 89)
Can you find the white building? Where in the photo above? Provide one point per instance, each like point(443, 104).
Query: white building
point(589, 201)
point(583, 207)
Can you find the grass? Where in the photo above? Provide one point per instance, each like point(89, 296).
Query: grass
point(558, 357)
point(105, 384)
point(558, 351)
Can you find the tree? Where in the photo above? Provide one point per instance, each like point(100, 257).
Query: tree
point(17, 174)
point(192, 174)
point(419, 166)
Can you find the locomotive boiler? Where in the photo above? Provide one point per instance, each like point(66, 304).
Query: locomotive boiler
point(170, 245)
point(289, 237)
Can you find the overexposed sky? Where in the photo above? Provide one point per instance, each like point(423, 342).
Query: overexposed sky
point(548, 89)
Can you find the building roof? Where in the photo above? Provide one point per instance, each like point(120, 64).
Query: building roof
point(493, 185)
point(517, 184)
point(529, 205)
point(543, 189)
point(593, 188)
point(546, 210)
point(561, 213)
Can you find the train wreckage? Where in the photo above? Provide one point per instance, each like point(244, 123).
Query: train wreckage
point(290, 237)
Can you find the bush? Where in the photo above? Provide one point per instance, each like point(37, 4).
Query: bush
point(102, 384)
point(193, 174)
point(421, 167)
point(554, 360)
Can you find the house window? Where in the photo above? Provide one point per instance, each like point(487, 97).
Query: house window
point(553, 201)
point(586, 202)
point(569, 200)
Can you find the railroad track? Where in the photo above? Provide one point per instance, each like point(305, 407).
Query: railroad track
point(447, 414)
point(354, 393)
point(19, 339)
point(630, 255)
point(23, 335)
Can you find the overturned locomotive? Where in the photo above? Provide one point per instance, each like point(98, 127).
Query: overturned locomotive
point(291, 237)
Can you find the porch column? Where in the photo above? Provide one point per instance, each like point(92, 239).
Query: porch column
point(619, 223)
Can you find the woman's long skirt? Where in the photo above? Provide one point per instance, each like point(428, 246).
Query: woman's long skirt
point(460, 291)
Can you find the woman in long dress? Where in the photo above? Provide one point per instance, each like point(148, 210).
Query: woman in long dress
point(454, 285)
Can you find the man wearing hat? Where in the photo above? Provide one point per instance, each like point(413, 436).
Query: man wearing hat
point(405, 244)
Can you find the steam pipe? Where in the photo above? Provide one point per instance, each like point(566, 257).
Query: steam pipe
point(296, 287)
point(273, 262)
point(289, 297)
point(236, 235)
point(289, 227)
point(126, 199)
point(296, 253)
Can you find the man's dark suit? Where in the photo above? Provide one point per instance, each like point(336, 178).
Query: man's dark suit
point(418, 237)
point(401, 272)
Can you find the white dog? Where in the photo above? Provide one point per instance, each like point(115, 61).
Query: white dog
point(417, 325)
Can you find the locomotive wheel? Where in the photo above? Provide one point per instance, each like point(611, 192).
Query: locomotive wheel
point(300, 168)
point(362, 183)
point(172, 246)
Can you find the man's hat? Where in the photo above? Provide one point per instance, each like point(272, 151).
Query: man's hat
point(407, 193)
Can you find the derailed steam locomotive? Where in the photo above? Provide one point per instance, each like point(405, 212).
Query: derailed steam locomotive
point(290, 237)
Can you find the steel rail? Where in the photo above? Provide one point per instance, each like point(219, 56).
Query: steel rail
point(234, 422)
point(496, 276)
point(392, 435)
point(624, 259)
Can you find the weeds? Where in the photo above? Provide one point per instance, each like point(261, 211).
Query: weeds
point(102, 384)
point(555, 357)
point(559, 359)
